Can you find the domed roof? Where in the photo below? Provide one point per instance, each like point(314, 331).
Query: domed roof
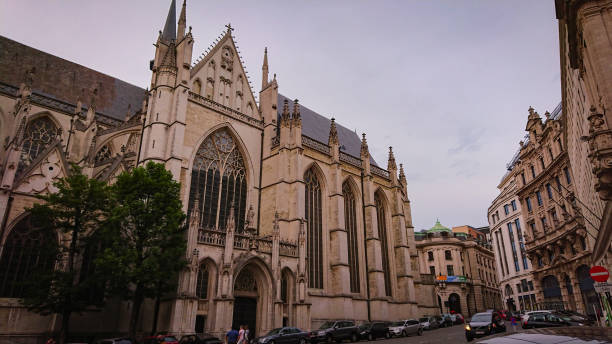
point(438, 228)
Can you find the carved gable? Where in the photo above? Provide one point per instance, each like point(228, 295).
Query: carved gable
point(40, 178)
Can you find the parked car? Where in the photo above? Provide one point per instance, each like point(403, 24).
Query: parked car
point(431, 322)
point(335, 331)
point(199, 338)
point(406, 327)
point(121, 340)
point(374, 330)
point(544, 320)
point(161, 339)
point(527, 314)
point(484, 324)
point(573, 335)
point(447, 320)
point(284, 335)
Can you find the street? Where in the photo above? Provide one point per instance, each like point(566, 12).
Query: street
point(449, 335)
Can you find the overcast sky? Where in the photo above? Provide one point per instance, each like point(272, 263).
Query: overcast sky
point(446, 83)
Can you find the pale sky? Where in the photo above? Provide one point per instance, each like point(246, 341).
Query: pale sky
point(446, 83)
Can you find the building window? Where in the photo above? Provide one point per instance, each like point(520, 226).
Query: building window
point(350, 222)
point(501, 239)
point(542, 163)
point(202, 282)
point(533, 174)
point(519, 233)
point(540, 261)
point(450, 271)
point(39, 134)
point(513, 204)
point(513, 246)
point(314, 215)
point(534, 231)
point(447, 255)
point(528, 201)
point(523, 178)
point(568, 178)
point(539, 197)
point(430, 256)
point(530, 283)
point(583, 242)
point(382, 235)
point(218, 182)
point(506, 209)
point(544, 224)
point(553, 214)
point(432, 270)
point(549, 191)
point(558, 181)
point(550, 153)
point(25, 252)
point(559, 144)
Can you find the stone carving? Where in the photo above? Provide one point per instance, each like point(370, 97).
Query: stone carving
point(42, 177)
point(245, 281)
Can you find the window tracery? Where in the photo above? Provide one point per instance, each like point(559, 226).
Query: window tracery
point(245, 281)
point(382, 235)
point(103, 154)
point(350, 222)
point(39, 134)
point(314, 216)
point(218, 180)
point(202, 282)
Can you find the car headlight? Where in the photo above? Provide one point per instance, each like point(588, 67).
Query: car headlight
point(468, 328)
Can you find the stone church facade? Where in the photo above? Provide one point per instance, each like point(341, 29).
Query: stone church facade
point(291, 221)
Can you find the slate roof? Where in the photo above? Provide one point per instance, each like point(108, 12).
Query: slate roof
point(66, 81)
point(316, 127)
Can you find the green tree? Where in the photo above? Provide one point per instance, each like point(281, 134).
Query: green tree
point(147, 237)
point(74, 213)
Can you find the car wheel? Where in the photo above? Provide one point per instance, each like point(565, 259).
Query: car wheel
point(370, 337)
point(330, 339)
point(387, 335)
point(420, 332)
point(302, 341)
point(271, 342)
point(469, 338)
point(354, 338)
point(404, 333)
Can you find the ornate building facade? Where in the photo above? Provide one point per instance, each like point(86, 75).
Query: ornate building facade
point(556, 238)
point(291, 221)
point(463, 268)
point(507, 228)
point(586, 89)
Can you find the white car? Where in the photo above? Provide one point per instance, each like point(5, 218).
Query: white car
point(527, 314)
point(405, 328)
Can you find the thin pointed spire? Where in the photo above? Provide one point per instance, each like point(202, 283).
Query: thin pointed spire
point(391, 164)
point(264, 70)
point(285, 116)
point(364, 146)
point(297, 118)
point(169, 33)
point(402, 175)
point(333, 133)
point(182, 23)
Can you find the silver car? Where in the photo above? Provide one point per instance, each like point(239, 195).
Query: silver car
point(405, 328)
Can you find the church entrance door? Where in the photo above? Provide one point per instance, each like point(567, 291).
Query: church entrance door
point(245, 313)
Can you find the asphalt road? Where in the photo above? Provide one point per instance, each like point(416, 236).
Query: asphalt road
point(449, 335)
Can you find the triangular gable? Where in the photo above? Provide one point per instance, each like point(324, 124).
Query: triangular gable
point(201, 72)
point(39, 177)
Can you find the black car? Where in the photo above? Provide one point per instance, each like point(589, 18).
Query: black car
point(484, 324)
point(546, 320)
point(199, 338)
point(374, 330)
point(284, 335)
point(572, 334)
point(338, 331)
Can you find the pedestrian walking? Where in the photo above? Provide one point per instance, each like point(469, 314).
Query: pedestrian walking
point(241, 335)
point(232, 336)
point(513, 323)
point(247, 334)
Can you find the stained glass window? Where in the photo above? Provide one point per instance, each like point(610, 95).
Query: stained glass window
point(382, 235)
point(350, 222)
point(39, 134)
point(24, 253)
point(202, 282)
point(218, 179)
point(315, 230)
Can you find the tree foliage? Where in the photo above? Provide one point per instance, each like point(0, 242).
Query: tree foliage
point(146, 236)
point(72, 215)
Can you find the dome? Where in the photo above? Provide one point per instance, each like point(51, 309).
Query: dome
point(438, 228)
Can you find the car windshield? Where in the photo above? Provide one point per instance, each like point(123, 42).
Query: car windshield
point(169, 339)
point(326, 325)
point(365, 326)
point(398, 323)
point(481, 317)
point(423, 319)
point(275, 331)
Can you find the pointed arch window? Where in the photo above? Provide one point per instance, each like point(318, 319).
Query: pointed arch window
point(384, 246)
point(314, 214)
point(202, 282)
point(350, 222)
point(39, 134)
point(26, 251)
point(218, 180)
point(103, 154)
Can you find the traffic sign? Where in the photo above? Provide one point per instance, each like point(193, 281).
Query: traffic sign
point(599, 273)
point(602, 287)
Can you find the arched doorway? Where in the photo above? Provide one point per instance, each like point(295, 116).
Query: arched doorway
point(245, 300)
point(552, 293)
point(254, 293)
point(454, 303)
point(587, 291)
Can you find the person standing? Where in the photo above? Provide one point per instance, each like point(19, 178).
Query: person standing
point(241, 335)
point(513, 323)
point(232, 336)
point(247, 334)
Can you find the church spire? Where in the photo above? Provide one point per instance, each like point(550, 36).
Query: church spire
point(169, 33)
point(333, 133)
point(264, 70)
point(391, 163)
point(182, 22)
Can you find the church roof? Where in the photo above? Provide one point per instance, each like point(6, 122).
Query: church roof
point(317, 126)
point(438, 227)
point(65, 80)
